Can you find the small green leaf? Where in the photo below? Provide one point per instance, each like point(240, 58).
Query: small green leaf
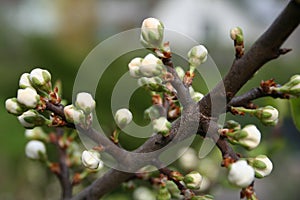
point(295, 108)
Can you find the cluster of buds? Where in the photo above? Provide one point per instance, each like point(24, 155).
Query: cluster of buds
point(149, 66)
point(32, 85)
point(162, 126)
point(268, 115)
point(292, 87)
point(262, 165)
point(193, 180)
point(81, 111)
point(91, 160)
point(248, 137)
point(240, 174)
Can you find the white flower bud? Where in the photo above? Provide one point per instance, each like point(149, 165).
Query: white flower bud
point(268, 115)
point(143, 193)
point(197, 55)
point(41, 79)
point(188, 158)
point(123, 117)
point(31, 118)
point(193, 180)
point(12, 106)
point(24, 81)
point(152, 33)
point(252, 137)
point(36, 133)
point(134, 67)
point(262, 165)
point(241, 174)
point(34, 149)
point(151, 66)
point(28, 97)
point(74, 115)
point(91, 159)
point(84, 101)
point(162, 126)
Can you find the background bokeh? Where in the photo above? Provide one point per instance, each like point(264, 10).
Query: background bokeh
point(58, 35)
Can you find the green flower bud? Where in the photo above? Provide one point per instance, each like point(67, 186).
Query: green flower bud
point(24, 81)
point(151, 66)
point(163, 194)
point(268, 115)
point(262, 165)
point(28, 97)
point(240, 174)
point(32, 118)
point(74, 115)
point(35, 150)
point(193, 180)
point(85, 102)
point(237, 35)
point(134, 67)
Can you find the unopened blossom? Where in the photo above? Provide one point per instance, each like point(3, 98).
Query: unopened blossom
point(262, 165)
point(91, 159)
point(74, 115)
point(162, 126)
point(35, 149)
point(123, 117)
point(13, 106)
point(240, 174)
point(251, 137)
point(40, 79)
point(193, 180)
point(152, 33)
point(134, 67)
point(85, 101)
point(197, 55)
point(268, 115)
point(151, 66)
point(24, 81)
point(28, 97)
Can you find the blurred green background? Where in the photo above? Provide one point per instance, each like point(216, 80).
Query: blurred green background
point(58, 35)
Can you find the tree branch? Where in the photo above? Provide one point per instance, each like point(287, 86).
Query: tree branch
point(266, 48)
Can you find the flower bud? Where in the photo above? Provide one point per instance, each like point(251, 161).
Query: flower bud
point(163, 194)
point(262, 165)
point(36, 133)
point(143, 193)
point(153, 83)
point(193, 180)
point(173, 189)
point(240, 174)
point(205, 197)
point(162, 126)
point(292, 87)
point(123, 117)
point(35, 150)
point(91, 159)
point(32, 118)
point(74, 115)
point(12, 106)
point(237, 35)
point(28, 97)
point(84, 101)
point(24, 81)
point(41, 79)
point(151, 66)
point(197, 55)
point(249, 137)
point(188, 158)
point(134, 67)
point(152, 33)
point(268, 115)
